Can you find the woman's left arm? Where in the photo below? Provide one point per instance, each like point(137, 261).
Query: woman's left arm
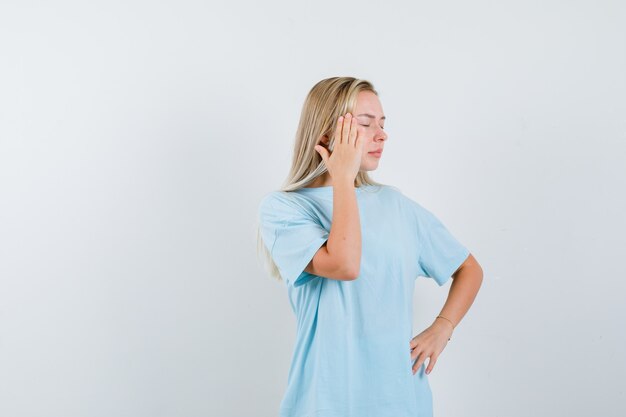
point(466, 282)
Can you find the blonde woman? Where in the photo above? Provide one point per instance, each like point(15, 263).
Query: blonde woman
point(349, 250)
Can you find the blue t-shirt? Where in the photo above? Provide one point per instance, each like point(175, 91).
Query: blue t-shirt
point(352, 356)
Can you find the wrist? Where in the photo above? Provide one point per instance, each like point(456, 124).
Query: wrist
point(343, 183)
point(446, 323)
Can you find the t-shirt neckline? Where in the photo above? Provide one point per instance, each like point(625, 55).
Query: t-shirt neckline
point(326, 188)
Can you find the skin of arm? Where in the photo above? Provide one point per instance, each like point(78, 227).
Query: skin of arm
point(466, 282)
point(340, 257)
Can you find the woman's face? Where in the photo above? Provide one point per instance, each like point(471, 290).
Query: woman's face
point(371, 121)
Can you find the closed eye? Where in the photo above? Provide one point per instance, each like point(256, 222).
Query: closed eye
point(382, 127)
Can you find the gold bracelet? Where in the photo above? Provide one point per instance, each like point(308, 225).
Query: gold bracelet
point(453, 326)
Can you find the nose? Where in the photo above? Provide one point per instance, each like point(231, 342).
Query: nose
point(380, 135)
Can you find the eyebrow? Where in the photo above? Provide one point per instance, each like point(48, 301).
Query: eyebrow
point(371, 116)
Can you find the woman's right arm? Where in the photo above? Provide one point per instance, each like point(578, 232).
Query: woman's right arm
point(340, 257)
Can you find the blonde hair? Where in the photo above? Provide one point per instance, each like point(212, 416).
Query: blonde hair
point(325, 102)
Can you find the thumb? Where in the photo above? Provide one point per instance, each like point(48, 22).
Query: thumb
point(323, 152)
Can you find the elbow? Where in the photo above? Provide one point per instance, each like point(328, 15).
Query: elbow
point(351, 273)
point(351, 276)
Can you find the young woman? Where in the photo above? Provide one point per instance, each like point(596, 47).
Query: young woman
point(349, 250)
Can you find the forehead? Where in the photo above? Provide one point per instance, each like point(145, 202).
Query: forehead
point(368, 102)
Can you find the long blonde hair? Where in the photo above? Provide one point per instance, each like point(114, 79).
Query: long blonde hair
point(326, 101)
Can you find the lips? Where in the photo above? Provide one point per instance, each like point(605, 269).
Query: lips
point(377, 152)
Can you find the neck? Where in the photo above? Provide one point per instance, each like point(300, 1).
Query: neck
point(323, 180)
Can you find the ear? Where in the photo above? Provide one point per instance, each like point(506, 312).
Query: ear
point(324, 141)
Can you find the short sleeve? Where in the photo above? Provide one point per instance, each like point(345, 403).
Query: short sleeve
point(291, 234)
point(440, 253)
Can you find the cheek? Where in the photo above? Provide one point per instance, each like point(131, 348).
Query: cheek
point(364, 132)
point(366, 135)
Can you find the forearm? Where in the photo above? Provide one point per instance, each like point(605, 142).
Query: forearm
point(465, 285)
point(344, 240)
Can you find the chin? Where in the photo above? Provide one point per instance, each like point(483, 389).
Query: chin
point(369, 167)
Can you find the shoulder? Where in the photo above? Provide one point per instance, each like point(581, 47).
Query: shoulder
point(391, 191)
point(385, 191)
point(281, 204)
point(271, 198)
point(407, 203)
point(277, 198)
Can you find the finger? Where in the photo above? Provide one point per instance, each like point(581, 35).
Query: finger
point(353, 129)
point(431, 363)
point(323, 152)
point(418, 362)
point(338, 129)
point(346, 128)
point(422, 359)
point(412, 343)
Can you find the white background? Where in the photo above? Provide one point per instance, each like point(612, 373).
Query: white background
point(137, 138)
